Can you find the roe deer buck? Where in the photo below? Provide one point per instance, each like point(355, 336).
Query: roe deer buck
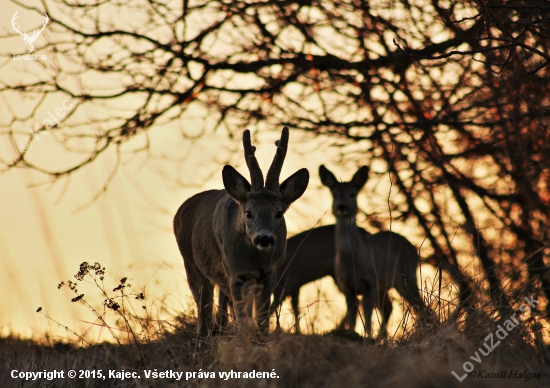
point(236, 237)
point(371, 264)
point(309, 256)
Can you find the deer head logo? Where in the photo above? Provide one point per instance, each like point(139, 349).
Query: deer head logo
point(29, 40)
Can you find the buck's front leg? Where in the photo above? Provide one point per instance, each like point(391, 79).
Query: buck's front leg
point(222, 314)
point(263, 301)
point(242, 295)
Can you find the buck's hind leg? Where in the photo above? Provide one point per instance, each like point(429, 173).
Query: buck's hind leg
point(203, 293)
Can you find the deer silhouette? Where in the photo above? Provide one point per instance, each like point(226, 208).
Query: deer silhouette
point(236, 238)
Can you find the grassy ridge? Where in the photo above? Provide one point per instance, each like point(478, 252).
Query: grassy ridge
point(424, 359)
point(500, 352)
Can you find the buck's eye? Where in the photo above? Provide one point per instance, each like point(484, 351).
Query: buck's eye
point(350, 195)
point(248, 215)
point(279, 215)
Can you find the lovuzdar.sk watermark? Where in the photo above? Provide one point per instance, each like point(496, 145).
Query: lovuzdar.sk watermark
point(29, 57)
point(491, 343)
point(29, 40)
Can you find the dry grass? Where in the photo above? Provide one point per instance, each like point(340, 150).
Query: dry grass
point(423, 357)
point(299, 361)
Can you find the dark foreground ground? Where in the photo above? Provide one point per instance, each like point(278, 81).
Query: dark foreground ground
point(426, 358)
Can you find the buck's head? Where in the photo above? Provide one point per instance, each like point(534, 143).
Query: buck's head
point(262, 207)
point(344, 194)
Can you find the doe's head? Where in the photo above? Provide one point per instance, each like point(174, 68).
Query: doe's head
point(262, 207)
point(344, 194)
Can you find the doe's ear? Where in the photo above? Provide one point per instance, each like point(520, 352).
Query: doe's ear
point(294, 186)
point(360, 177)
point(327, 177)
point(235, 184)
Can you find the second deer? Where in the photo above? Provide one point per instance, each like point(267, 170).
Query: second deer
point(369, 264)
point(309, 257)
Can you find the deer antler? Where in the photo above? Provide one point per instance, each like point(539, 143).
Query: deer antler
point(46, 20)
point(256, 176)
point(13, 19)
point(272, 180)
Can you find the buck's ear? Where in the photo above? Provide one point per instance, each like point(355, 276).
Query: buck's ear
point(235, 184)
point(327, 178)
point(294, 186)
point(360, 177)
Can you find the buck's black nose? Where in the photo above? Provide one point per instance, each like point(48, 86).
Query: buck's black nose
point(264, 241)
point(342, 209)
